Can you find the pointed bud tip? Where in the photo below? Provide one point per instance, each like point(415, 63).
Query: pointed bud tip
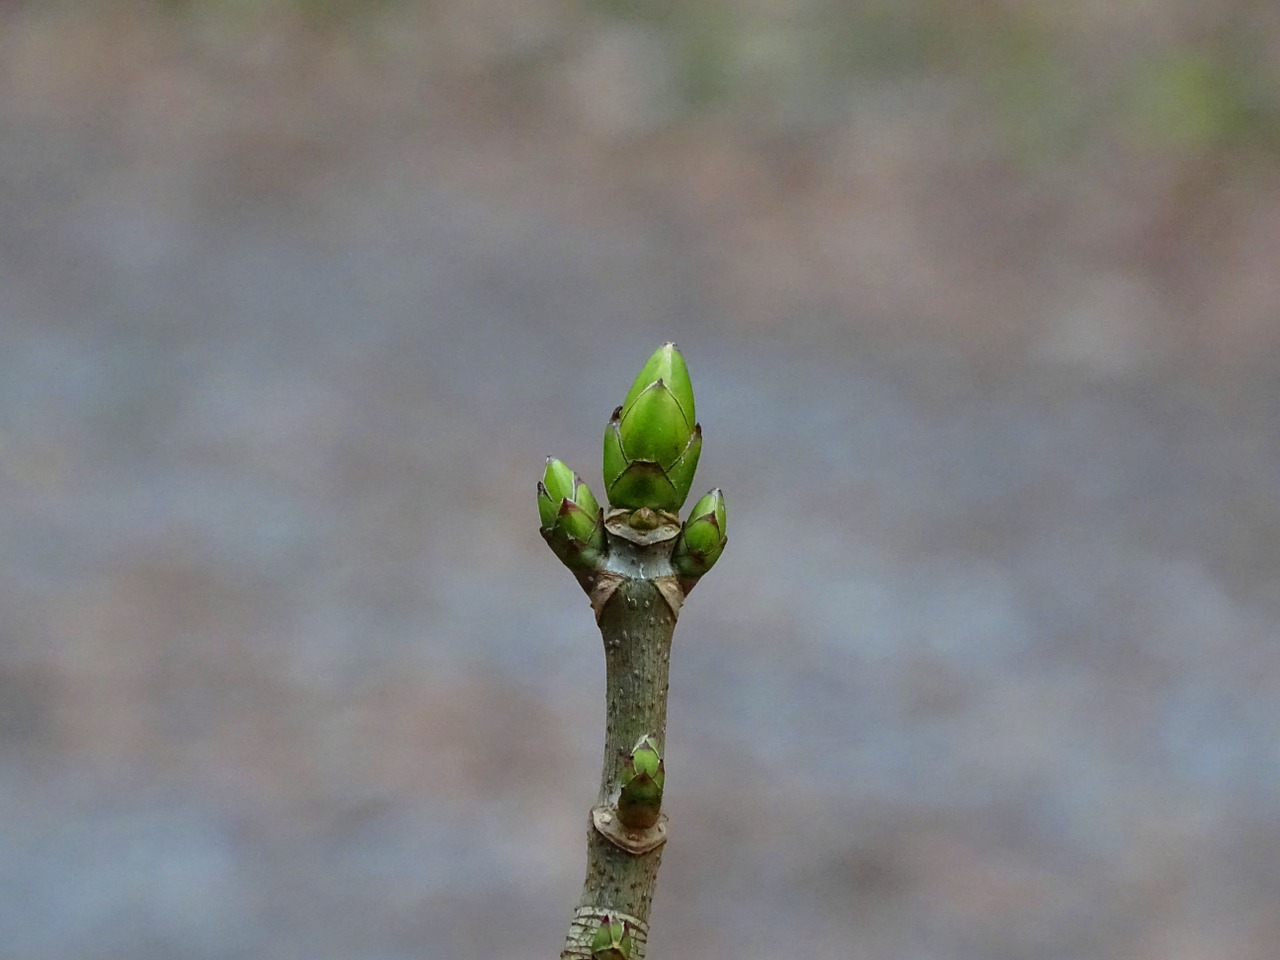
point(653, 440)
point(710, 504)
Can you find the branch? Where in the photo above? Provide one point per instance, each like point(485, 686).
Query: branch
point(636, 564)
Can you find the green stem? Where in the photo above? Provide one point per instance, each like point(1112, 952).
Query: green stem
point(637, 620)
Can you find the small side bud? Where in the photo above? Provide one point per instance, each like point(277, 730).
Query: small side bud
point(612, 940)
point(558, 483)
point(703, 538)
point(571, 519)
point(643, 778)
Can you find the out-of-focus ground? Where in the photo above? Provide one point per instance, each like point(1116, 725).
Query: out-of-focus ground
point(982, 305)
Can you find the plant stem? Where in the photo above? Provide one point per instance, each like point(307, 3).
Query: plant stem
point(637, 563)
point(637, 620)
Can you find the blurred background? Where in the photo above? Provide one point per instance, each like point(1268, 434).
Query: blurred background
point(982, 306)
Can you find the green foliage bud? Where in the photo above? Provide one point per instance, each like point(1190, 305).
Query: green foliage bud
point(703, 538)
point(665, 364)
point(652, 441)
point(558, 483)
point(646, 758)
point(612, 940)
point(643, 778)
point(567, 510)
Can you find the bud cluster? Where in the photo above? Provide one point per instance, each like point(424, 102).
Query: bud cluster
point(651, 448)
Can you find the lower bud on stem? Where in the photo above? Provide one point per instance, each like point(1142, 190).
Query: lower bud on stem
point(612, 941)
point(643, 777)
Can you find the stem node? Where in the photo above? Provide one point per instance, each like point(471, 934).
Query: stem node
point(637, 841)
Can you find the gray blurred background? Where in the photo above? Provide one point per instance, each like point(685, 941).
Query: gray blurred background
point(982, 307)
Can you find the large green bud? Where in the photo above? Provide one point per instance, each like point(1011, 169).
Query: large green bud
point(703, 538)
point(571, 519)
point(643, 777)
point(612, 940)
point(653, 440)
